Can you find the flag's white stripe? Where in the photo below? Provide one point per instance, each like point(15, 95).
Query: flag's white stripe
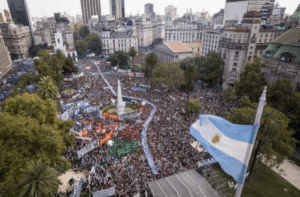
point(228, 146)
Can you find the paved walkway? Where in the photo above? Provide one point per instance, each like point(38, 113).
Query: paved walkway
point(66, 177)
point(291, 172)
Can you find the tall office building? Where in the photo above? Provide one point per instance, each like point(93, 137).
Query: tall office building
point(90, 8)
point(20, 14)
point(149, 8)
point(117, 8)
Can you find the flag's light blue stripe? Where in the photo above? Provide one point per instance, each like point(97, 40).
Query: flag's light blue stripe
point(229, 164)
point(244, 133)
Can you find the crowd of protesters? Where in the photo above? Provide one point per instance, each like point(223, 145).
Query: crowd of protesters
point(167, 135)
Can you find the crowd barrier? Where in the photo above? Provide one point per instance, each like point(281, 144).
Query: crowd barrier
point(144, 130)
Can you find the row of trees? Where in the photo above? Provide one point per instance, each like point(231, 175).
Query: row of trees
point(184, 74)
point(85, 40)
point(280, 117)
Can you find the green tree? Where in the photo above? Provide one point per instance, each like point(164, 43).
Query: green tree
point(274, 141)
point(94, 43)
point(279, 94)
point(83, 31)
point(245, 101)
point(194, 106)
point(167, 73)
point(230, 94)
point(47, 89)
point(39, 179)
point(188, 84)
point(132, 53)
point(210, 68)
point(114, 60)
point(123, 58)
point(150, 62)
point(251, 81)
point(81, 47)
point(69, 66)
point(30, 130)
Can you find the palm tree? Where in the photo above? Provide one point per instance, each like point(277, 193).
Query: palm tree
point(47, 89)
point(39, 180)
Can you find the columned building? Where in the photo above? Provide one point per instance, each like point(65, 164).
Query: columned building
point(5, 60)
point(172, 52)
point(90, 8)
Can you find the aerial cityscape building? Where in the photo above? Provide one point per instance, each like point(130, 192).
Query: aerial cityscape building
point(20, 14)
point(46, 29)
point(5, 59)
point(117, 8)
point(90, 8)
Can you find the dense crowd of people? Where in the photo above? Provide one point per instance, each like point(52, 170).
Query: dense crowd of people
point(167, 135)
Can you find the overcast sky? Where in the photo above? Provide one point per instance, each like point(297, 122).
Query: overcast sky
point(39, 8)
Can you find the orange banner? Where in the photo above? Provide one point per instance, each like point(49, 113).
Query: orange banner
point(107, 137)
point(110, 116)
point(85, 132)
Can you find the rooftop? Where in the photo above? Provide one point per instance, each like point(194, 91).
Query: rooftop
point(177, 47)
point(291, 37)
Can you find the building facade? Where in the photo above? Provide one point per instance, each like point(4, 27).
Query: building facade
point(218, 19)
point(182, 32)
point(5, 60)
point(196, 47)
point(20, 14)
point(120, 38)
point(282, 58)
point(172, 10)
point(45, 31)
point(235, 9)
point(117, 8)
point(172, 51)
point(149, 8)
point(239, 45)
point(90, 8)
point(60, 46)
point(210, 41)
point(17, 39)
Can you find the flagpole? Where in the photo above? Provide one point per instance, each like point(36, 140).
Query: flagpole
point(260, 108)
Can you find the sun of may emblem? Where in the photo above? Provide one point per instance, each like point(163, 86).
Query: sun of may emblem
point(216, 139)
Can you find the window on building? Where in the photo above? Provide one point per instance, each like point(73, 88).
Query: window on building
point(230, 35)
point(249, 58)
point(270, 40)
point(267, 35)
point(265, 40)
point(271, 35)
point(261, 35)
point(259, 40)
point(251, 47)
point(233, 69)
point(235, 64)
point(287, 57)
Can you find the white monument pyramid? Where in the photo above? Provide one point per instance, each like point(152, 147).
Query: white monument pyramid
point(120, 104)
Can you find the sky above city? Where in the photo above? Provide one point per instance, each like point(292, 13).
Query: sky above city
point(40, 8)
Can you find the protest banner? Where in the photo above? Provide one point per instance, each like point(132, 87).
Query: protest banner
point(88, 148)
point(105, 192)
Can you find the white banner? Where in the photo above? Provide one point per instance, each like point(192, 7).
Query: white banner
point(77, 188)
point(105, 192)
point(88, 148)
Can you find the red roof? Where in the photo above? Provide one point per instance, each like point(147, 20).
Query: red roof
point(178, 47)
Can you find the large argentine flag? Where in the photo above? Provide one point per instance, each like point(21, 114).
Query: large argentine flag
point(226, 142)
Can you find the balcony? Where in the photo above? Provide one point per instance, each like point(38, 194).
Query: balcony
point(253, 40)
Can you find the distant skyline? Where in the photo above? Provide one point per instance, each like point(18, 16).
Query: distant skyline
point(40, 8)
